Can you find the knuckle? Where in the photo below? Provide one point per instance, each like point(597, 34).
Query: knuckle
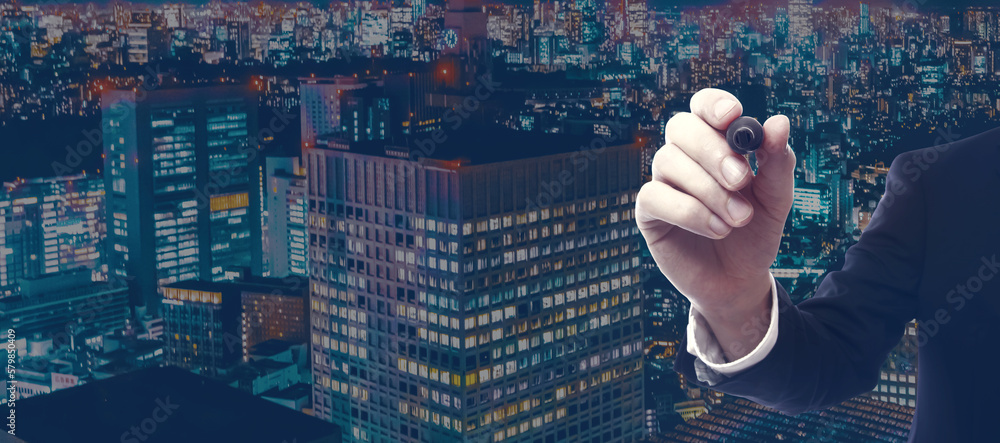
point(677, 121)
point(662, 156)
point(641, 199)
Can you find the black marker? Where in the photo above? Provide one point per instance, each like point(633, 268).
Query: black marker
point(745, 135)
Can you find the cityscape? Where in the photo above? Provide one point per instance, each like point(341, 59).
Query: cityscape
point(412, 221)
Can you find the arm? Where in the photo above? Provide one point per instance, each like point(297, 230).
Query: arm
point(832, 345)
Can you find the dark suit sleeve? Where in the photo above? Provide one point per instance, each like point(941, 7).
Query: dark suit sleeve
point(831, 347)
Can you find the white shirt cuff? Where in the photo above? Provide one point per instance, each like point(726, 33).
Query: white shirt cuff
point(701, 342)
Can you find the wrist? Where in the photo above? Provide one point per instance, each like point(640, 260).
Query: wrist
point(749, 303)
point(740, 325)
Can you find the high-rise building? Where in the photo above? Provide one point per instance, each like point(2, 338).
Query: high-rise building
point(365, 114)
point(483, 290)
point(275, 310)
point(147, 37)
point(864, 20)
point(51, 225)
point(207, 331)
point(286, 249)
point(320, 105)
point(174, 16)
point(419, 8)
point(181, 182)
point(800, 28)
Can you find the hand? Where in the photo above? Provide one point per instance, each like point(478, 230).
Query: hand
point(712, 227)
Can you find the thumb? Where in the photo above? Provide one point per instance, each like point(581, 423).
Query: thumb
point(775, 180)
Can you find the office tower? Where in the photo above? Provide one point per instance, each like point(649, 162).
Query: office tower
point(231, 37)
point(202, 326)
point(54, 305)
point(181, 180)
point(464, 29)
point(320, 105)
point(15, 49)
point(51, 225)
point(864, 20)
point(239, 37)
point(147, 37)
point(811, 202)
point(401, 18)
point(419, 8)
point(173, 15)
point(285, 245)
point(637, 12)
point(800, 29)
point(277, 310)
point(374, 28)
point(365, 115)
point(207, 331)
point(484, 288)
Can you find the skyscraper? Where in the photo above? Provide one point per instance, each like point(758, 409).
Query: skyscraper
point(285, 244)
point(800, 27)
point(864, 20)
point(320, 105)
point(484, 288)
point(51, 225)
point(181, 186)
point(207, 330)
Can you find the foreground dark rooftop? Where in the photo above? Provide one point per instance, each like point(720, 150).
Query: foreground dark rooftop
point(165, 404)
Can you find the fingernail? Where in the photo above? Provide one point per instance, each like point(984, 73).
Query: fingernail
point(733, 170)
point(738, 209)
point(723, 107)
point(718, 226)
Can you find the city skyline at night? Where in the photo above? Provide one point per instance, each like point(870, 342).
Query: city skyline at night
point(414, 220)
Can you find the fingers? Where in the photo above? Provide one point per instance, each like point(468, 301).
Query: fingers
point(707, 147)
point(658, 203)
point(675, 168)
point(716, 107)
point(775, 181)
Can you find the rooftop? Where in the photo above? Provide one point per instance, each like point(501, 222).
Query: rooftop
point(740, 420)
point(180, 407)
point(483, 145)
point(271, 347)
point(293, 392)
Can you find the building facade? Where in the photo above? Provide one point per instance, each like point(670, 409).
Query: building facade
point(49, 226)
point(487, 302)
point(209, 326)
point(182, 186)
point(285, 245)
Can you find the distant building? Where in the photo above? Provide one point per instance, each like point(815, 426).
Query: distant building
point(54, 306)
point(811, 202)
point(207, 330)
point(182, 182)
point(320, 105)
point(275, 312)
point(51, 225)
point(498, 273)
point(286, 249)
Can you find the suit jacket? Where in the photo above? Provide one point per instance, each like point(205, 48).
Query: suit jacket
point(931, 252)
